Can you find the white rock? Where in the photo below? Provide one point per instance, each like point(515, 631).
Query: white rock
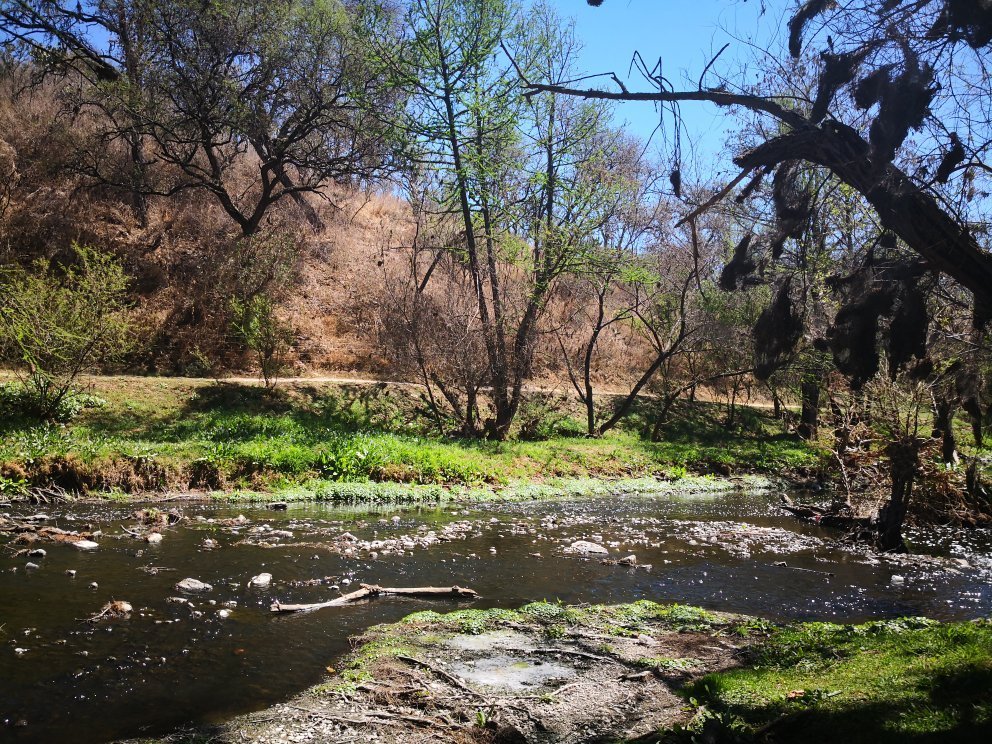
point(263, 579)
point(37, 553)
point(86, 545)
point(153, 538)
point(193, 585)
point(31, 566)
point(897, 580)
point(584, 546)
point(223, 614)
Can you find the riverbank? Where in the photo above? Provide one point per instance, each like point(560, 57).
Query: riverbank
point(321, 440)
point(640, 672)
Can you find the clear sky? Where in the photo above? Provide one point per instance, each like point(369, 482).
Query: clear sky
point(685, 34)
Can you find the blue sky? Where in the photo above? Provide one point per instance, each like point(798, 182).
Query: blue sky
point(685, 34)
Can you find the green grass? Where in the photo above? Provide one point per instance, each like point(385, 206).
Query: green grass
point(911, 680)
point(158, 434)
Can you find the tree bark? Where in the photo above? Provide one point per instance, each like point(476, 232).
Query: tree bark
point(809, 393)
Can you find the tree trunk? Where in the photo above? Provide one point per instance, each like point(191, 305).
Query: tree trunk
point(944, 428)
point(904, 463)
point(809, 393)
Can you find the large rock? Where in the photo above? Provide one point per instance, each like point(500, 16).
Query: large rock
point(86, 545)
point(193, 585)
point(587, 548)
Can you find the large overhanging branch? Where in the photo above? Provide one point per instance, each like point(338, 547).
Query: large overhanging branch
point(902, 205)
point(708, 95)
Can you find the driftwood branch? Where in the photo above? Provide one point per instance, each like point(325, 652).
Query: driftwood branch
point(371, 590)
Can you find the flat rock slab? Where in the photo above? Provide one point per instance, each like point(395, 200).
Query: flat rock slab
point(509, 673)
point(504, 639)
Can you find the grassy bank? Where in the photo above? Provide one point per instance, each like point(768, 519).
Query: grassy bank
point(156, 435)
point(896, 681)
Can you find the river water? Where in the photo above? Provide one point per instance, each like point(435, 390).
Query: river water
point(63, 678)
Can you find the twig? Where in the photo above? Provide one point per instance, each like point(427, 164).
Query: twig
point(713, 199)
point(441, 673)
point(569, 652)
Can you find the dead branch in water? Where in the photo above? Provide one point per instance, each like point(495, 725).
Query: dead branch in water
point(371, 590)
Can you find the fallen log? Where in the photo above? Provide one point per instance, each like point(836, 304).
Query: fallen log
point(371, 590)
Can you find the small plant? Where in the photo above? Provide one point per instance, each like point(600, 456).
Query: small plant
point(256, 325)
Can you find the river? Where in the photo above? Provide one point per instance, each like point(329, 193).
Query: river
point(222, 652)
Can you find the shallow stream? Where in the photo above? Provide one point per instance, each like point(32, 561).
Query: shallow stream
point(173, 663)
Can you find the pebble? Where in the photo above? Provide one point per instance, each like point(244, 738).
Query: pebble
point(70, 572)
point(584, 546)
point(193, 585)
point(93, 585)
point(223, 613)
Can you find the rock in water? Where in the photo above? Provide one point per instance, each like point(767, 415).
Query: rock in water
point(193, 585)
point(86, 545)
point(630, 560)
point(153, 538)
point(587, 548)
point(37, 553)
point(263, 579)
point(279, 505)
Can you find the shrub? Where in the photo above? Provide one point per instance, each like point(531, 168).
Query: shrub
point(17, 399)
point(60, 320)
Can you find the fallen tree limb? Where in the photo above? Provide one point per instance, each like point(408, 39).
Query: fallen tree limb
point(371, 590)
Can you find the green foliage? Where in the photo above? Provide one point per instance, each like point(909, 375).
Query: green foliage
point(60, 320)
point(256, 325)
point(886, 681)
point(542, 418)
point(18, 399)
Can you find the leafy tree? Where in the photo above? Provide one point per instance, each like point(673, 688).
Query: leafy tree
point(58, 321)
point(253, 102)
point(527, 179)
